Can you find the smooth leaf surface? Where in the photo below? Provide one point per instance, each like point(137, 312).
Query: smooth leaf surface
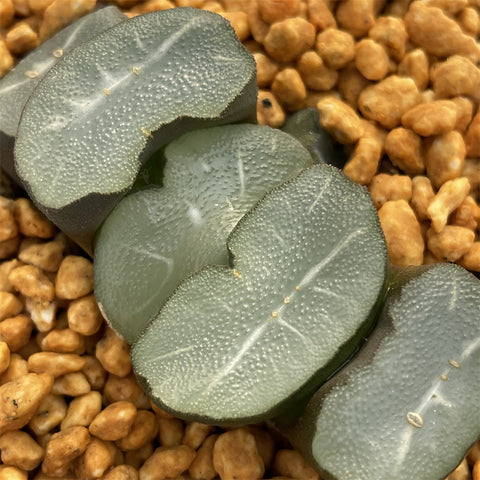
point(19, 83)
point(407, 406)
point(156, 237)
point(101, 111)
point(235, 344)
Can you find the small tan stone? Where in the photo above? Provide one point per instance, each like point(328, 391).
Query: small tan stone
point(434, 118)
point(451, 243)
point(336, 47)
point(74, 277)
point(445, 157)
point(21, 39)
point(386, 101)
point(315, 74)
point(269, 110)
point(114, 421)
point(20, 398)
point(236, 457)
point(289, 89)
point(415, 65)
point(402, 233)
point(319, 15)
point(340, 120)
point(456, 76)
point(438, 34)
point(404, 149)
point(391, 33)
point(60, 13)
point(288, 39)
point(273, 11)
point(472, 137)
point(371, 59)
point(355, 16)
point(167, 462)
point(384, 188)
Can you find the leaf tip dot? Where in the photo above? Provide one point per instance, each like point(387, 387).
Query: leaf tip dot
point(146, 132)
point(32, 73)
point(236, 273)
point(415, 419)
point(454, 363)
point(443, 377)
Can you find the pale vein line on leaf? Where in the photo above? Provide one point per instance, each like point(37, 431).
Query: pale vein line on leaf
point(305, 340)
point(41, 67)
point(320, 194)
point(228, 367)
point(425, 400)
point(158, 54)
point(278, 236)
point(109, 81)
point(73, 35)
point(316, 269)
point(174, 353)
point(241, 173)
point(156, 256)
point(327, 292)
point(453, 300)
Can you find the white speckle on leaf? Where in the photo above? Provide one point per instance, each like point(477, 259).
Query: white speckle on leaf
point(195, 216)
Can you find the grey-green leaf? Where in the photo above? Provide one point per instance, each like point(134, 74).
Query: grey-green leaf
point(108, 105)
point(156, 237)
point(17, 86)
point(407, 406)
point(237, 344)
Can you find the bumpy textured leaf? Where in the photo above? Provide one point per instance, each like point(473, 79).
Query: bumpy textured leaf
point(407, 406)
point(18, 84)
point(156, 237)
point(237, 344)
point(305, 126)
point(103, 109)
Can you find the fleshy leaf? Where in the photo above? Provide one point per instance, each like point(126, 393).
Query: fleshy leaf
point(305, 126)
point(19, 83)
point(101, 111)
point(156, 237)
point(238, 344)
point(388, 413)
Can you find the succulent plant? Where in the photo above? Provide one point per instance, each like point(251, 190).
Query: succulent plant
point(17, 86)
point(245, 277)
point(239, 343)
point(407, 405)
point(103, 109)
point(211, 178)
